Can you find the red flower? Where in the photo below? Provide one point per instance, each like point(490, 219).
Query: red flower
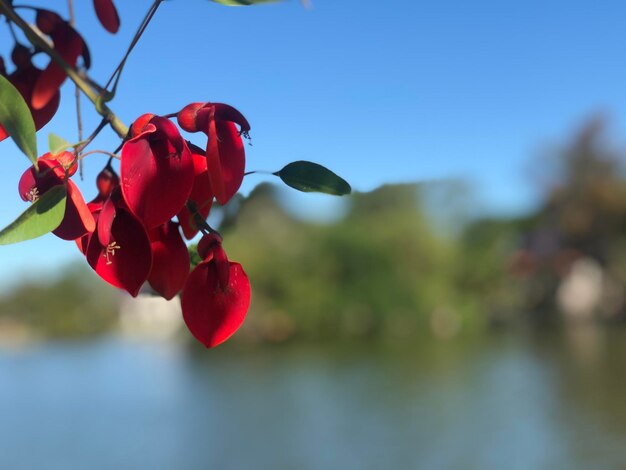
point(225, 151)
point(201, 194)
point(157, 170)
point(170, 260)
point(64, 162)
point(216, 297)
point(107, 14)
point(119, 249)
point(24, 79)
point(68, 44)
point(77, 220)
point(106, 181)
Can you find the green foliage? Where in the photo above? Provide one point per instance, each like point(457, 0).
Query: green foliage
point(41, 217)
point(382, 271)
point(74, 304)
point(17, 120)
point(311, 177)
point(194, 257)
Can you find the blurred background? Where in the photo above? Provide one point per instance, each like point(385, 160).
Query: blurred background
point(463, 308)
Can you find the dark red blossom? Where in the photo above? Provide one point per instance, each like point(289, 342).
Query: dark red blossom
point(107, 14)
point(216, 297)
point(106, 181)
point(225, 152)
point(157, 170)
point(65, 162)
point(170, 260)
point(68, 44)
point(119, 249)
point(24, 78)
point(78, 219)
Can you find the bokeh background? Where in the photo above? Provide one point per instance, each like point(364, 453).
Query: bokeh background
point(464, 308)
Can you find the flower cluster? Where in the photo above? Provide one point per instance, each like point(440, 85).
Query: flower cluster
point(130, 233)
point(40, 87)
point(134, 231)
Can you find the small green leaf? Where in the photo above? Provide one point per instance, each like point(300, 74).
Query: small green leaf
point(17, 119)
point(243, 3)
point(57, 144)
point(311, 177)
point(194, 258)
point(41, 217)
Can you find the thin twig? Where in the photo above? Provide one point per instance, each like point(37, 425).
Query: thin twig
point(79, 148)
point(103, 152)
point(12, 30)
point(142, 27)
point(79, 119)
point(198, 220)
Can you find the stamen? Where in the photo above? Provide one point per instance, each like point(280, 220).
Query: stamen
point(109, 251)
point(33, 194)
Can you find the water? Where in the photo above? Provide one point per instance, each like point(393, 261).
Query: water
point(503, 402)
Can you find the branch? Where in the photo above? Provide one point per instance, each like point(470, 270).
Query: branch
point(118, 126)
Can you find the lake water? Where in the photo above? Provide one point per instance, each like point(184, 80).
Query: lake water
point(497, 403)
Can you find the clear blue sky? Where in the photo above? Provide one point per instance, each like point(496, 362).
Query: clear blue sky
point(378, 91)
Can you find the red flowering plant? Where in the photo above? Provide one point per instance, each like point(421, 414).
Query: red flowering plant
point(133, 231)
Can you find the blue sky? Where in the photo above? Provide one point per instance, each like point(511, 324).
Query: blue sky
point(378, 91)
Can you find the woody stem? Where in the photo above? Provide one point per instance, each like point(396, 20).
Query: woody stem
point(118, 126)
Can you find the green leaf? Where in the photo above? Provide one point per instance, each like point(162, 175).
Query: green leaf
point(194, 257)
point(41, 217)
point(311, 177)
point(17, 119)
point(243, 3)
point(57, 144)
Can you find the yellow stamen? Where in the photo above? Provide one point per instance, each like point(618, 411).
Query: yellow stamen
point(33, 194)
point(109, 251)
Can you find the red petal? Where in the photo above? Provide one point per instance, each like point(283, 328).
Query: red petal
point(192, 117)
point(128, 265)
point(232, 157)
point(213, 314)
point(50, 174)
point(107, 14)
point(206, 245)
point(170, 260)
point(225, 112)
point(47, 21)
point(106, 181)
point(155, 185)
point(66, 160)
point(226, 159)
point(69, 44)
point(77, 220)
point(24, 80)
point(105, 222)
point(82, 243)
point(187, 117)
point(140, 125)
point(214, 163)
point(44, 115)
